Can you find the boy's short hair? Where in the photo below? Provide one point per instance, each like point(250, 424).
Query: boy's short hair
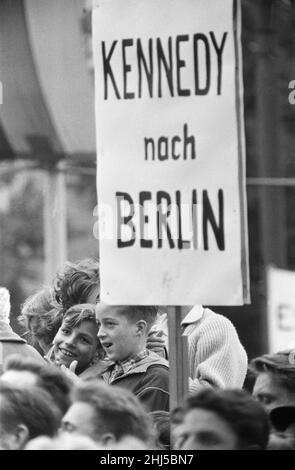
point(78, 313)
point(134, 313)
point(48, 377)
point(32, 407)
point(116, 410)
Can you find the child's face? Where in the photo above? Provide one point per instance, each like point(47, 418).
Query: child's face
point(118, 336)
point(76, 344)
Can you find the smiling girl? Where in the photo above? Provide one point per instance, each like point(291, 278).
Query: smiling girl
point(76, 340)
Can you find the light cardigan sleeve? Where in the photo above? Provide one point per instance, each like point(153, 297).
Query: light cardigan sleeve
point(216, 355)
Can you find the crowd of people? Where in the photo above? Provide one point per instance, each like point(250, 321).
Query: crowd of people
point(96, 376)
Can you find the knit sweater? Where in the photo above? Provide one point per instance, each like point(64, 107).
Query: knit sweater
point(216, 355)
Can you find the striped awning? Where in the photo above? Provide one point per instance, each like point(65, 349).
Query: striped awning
point(48, 91)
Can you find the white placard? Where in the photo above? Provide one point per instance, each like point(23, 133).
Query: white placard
point(170, 146)
point(281, 309)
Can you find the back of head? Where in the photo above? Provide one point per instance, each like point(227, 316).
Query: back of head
point(16, 362)
point(117, 410)
point(32, 408)
point(77, 282)
point(48, 377)
point(4, 305)
point(244, 415)
point(41, 316)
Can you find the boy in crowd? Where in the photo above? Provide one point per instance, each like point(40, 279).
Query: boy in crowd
point(26, 373)
point(123, 334)
point(222, 420)
point(106, 414)
point(25, 414)
point(79, 283)
point(76, 345)
point(274, 379)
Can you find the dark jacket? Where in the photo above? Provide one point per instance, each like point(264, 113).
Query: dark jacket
point(11, 343)
point(148, 380)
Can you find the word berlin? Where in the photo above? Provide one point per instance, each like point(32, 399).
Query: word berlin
point(160, 68)
point(138, 219)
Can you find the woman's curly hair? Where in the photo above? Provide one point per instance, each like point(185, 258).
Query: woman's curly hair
point(76, 283)
point(41, 316)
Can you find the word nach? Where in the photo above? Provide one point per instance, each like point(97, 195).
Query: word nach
point(162, 149)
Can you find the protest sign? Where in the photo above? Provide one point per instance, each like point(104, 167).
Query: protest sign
point(170, 146)
point(281, 309)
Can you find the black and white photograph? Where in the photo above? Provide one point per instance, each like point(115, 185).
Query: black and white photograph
point(147, 228)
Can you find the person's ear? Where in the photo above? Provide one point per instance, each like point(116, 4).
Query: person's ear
point(141, 327)
point(20, 436)
point(108, 439)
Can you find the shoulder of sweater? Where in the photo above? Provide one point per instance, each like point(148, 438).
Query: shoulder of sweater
point(214, 331)
point(212, 321)
point(213, 317)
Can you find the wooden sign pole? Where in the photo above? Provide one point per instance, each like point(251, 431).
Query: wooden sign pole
point(178, 358)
